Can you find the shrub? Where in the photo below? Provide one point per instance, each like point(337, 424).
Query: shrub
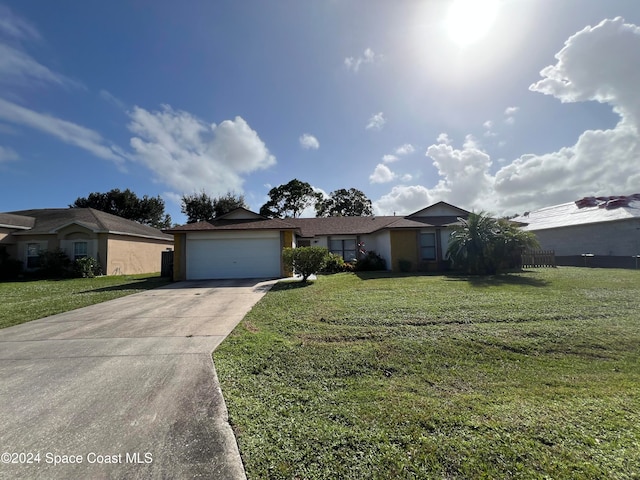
point(370, 262)
point(334, 263)
point(305, 261)
point(87, 267)
point(10, 268)
point(348, 267)
point(54, 264)
point(483, 245)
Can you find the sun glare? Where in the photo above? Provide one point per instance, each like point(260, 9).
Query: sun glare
point(470, 20)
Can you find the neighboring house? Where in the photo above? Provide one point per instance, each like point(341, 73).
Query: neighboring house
point(245, 244)
point(120, 245)
point(606, 227)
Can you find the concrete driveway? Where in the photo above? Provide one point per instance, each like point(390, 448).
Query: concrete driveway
point(123, 389)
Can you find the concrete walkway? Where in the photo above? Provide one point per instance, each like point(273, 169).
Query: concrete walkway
point(123, 389)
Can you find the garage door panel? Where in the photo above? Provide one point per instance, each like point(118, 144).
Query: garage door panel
point(233, 257)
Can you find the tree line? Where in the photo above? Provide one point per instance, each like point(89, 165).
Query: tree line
point(285, 201)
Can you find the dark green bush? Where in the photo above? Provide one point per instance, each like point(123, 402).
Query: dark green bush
point(371, 262)
point(87, 267)
point(54, 264)
point(305, 261)
point(10, 268)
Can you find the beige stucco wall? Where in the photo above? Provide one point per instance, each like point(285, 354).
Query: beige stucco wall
point(129, 255)
point(45, 242)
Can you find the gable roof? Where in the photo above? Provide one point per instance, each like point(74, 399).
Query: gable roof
point(574, 213)
point(51, 220)
point(439, 209)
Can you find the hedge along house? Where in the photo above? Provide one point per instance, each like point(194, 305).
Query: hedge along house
point(592, 231)
point(243, 244)
point(121, 246)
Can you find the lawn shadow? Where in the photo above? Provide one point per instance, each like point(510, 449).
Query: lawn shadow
point(499, 279)
point(375, 275)
point(144, 284)
point(511, 278)
point(290, 285)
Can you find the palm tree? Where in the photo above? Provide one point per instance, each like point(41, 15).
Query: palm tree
point(483, 245)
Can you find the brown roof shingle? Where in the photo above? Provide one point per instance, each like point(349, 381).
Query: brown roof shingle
point(311, 227)
point(16, 221)
point(49, 220)
point(237, 224)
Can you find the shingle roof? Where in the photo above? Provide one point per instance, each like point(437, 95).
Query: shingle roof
point(426, 222)
point(16, 221)
point(49, 220)
point(569, 214)
point(311, 227)
point(237, 224)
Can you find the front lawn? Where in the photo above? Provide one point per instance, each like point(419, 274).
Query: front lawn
point(29, 300)
point(529, 375)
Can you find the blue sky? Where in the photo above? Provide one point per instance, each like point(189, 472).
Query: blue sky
point(512, 106)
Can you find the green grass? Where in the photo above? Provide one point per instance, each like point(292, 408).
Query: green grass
point(529, 375)
point(30, 300)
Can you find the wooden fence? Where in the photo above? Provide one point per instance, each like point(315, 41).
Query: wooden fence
point(539, 258)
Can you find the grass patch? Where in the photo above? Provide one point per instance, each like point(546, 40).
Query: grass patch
point(30, 300)
point(528, 375)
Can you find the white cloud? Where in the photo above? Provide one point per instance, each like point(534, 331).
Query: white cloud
point(188, 154)
point(488, 125)
point(308, 141)
point(405, 149)
point(7, 155)
point(376, 122)
point(18, 67)
point(15, 26)
point(382, 174)
point(463, 172)
point(111, 98)
point(403, 200)
point(599, 63)
point(68, 132)
point(368, 57)
point(389, 158)
point(407, 177)
point(509, 111)
point(444, 138)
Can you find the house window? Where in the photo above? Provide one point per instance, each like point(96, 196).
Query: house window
point(33, 255)
point(79, 250)
point(345, 248)
point(428, 246)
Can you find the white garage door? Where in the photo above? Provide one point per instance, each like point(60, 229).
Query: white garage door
point(233, 255)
